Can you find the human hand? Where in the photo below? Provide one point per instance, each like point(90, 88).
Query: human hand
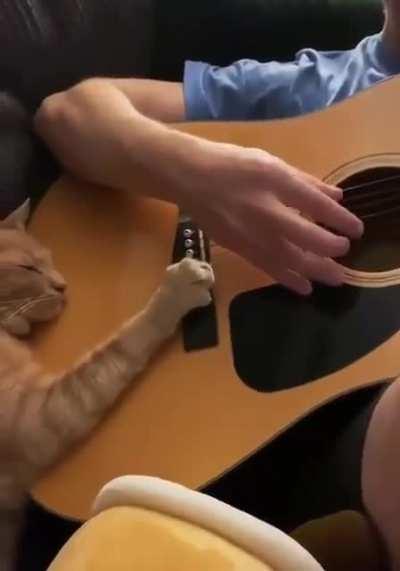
point(271, 214)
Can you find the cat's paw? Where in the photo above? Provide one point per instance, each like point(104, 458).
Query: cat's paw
point(190, 282)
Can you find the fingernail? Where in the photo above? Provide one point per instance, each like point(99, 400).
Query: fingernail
point(360, 228)
point(335, 281)
point(305, 290)
point(356, 230)
point(343, 246)
point(338, 191)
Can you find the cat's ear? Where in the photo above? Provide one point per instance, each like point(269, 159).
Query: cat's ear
point(18, 218)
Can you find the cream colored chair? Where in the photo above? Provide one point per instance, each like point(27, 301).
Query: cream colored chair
point(147, 524)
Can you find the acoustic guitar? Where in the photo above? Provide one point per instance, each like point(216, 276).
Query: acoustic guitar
point(260, 358)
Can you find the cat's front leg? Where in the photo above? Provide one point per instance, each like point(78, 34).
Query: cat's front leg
point(186, 286)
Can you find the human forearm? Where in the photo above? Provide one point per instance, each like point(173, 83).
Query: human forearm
point(97, 134)
point(160, 100)
point(172, 158)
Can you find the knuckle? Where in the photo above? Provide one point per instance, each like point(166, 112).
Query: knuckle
point(186, 263)
point(258, 161)
point(48, 111)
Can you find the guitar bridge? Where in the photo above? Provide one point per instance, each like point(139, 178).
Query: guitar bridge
point(199, 327)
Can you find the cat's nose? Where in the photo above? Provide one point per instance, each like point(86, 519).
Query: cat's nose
point(58, 282)
point(60, 286)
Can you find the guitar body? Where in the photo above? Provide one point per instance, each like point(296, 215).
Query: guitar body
point(194, 415)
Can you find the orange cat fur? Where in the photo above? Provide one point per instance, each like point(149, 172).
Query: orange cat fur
point(38, 420)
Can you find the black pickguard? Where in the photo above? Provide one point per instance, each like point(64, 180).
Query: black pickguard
point(280, 340)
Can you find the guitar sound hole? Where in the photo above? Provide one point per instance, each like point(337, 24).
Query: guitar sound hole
point(374, 196)
point(281, 341)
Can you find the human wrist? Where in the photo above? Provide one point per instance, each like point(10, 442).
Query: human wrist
point(172, 157)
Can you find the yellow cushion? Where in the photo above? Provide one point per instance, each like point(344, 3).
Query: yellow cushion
point(131, 538)
point(263, 541)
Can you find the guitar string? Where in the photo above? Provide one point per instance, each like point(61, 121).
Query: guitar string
point(371, 205)
point(379, 214)
point(372, 182)
point(366, 200)
point(360, 198)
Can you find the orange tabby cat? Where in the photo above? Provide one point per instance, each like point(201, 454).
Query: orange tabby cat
point(38, 420)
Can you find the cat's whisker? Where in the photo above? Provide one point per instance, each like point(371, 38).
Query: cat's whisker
point(26, 305)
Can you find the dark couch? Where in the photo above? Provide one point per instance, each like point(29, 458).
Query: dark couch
point(221, 31)
point(50, 44)
point(46, 45)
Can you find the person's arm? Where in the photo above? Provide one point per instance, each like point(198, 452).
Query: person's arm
point(244, 198)
point(160, 100)
point(102, 130)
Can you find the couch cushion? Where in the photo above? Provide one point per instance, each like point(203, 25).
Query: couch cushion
point(48, 45)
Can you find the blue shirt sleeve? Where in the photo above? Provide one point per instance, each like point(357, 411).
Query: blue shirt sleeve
point(249, 90)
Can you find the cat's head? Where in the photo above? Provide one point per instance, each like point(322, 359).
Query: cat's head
point(31, 289)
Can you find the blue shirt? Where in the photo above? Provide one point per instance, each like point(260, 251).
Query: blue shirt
point(252, 90)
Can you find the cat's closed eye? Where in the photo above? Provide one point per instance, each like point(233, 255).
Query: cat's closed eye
point(30, 268)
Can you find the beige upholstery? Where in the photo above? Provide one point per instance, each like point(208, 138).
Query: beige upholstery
point(151, 525)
